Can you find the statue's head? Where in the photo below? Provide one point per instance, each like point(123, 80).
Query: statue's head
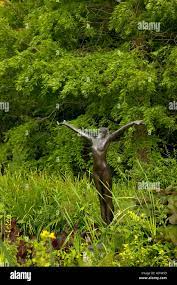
point(103, 132)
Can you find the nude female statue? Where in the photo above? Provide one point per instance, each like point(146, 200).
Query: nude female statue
point(101, 170)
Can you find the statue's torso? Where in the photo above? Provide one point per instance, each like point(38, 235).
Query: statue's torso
point(99, 150)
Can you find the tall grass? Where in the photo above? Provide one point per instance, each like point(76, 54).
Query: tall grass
point(39, 201)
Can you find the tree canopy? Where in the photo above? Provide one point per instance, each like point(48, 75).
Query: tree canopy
point(89, 63)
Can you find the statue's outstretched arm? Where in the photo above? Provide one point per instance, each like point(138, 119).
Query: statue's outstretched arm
point(119, 132)
point(78, 131)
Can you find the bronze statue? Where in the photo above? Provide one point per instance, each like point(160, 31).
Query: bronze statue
point(101, 170)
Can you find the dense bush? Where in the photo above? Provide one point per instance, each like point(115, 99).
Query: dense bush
point(77, 57)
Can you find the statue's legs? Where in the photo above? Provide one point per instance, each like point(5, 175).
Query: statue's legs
point(99, 187)
point(103, 183)
point(107, 187)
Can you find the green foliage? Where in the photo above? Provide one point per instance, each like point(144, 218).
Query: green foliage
point(157, 170)
point(88, 63)
point(126, 16)
point(39, 201)
point(86, 57)
point(7, 254)
point(45, 206)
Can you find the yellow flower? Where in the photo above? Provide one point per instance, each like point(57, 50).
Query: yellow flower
point(134, 216)
point(161, 251)
point(44, 234)
point(52, 236)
